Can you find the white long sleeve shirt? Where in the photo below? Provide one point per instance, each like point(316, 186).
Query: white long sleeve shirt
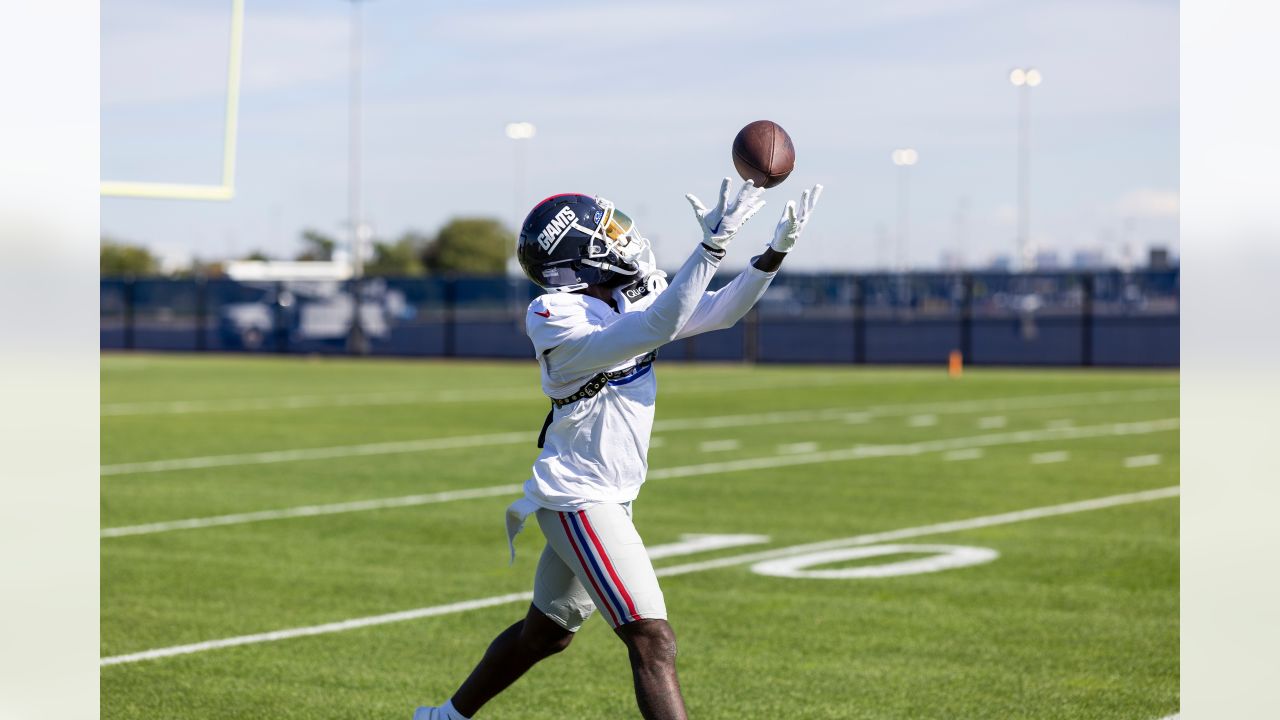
point(596, 449)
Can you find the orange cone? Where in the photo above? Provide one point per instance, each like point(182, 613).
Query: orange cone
point(955, 364)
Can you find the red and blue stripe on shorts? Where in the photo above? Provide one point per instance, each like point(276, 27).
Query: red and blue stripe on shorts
point(599, 569)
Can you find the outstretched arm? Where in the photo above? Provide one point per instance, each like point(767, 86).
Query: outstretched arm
point(594, 347)
point(725, 307)
point(590, 348)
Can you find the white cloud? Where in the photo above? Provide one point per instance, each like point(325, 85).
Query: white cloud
point(162, 53)
point(1005, 215)
point(1149, 203)
point(619, 27)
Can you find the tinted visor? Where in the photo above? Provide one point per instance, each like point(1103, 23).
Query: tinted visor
point(618, 226)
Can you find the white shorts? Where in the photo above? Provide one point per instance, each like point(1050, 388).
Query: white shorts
point(594, 558)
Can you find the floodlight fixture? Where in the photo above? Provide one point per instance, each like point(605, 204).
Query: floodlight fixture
point(520, 130)
point(1024, 80)
point(1029, 77)
point(905, 156)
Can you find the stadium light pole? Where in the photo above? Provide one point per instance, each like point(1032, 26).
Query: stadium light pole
point(1024, 80)
point(904, 158)
point(519, 133)
point(357, 342)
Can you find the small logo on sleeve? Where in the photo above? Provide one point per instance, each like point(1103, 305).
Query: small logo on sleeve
point(637, 291)
point(545, 313)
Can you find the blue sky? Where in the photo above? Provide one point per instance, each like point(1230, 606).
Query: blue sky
point(638, 102)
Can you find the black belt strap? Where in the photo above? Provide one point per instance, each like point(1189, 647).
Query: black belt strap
point(593, 388)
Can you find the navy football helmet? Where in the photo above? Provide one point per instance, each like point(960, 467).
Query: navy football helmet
point(570, 241)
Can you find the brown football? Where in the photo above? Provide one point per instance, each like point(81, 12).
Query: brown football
point(763, 153)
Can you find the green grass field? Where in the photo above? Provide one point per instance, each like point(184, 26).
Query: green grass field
point(1076, 618)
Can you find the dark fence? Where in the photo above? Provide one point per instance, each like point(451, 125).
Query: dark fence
point(1095, 318)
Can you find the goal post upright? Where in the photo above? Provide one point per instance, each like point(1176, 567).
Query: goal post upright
point(184, 191)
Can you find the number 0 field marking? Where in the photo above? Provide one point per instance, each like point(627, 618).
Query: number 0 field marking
point(940, 557)
point(735, 560)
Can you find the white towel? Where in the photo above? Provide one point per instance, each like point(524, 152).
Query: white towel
point(517, 513)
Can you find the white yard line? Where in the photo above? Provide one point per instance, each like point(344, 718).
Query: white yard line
point(927, 420)
point(413, 397)
point(1055, 456)
point(872, 451)
point(719, 445)
point(994, 422)
point(321, 453)
point(860, 452)
point(312, 510)
point(970, 454)
point(1138, 461)
point(704, 423)
point(936, 529)
point(687, 545)
point(691, 544)
point(293, 402)
point(468, 605)
point(332, 627)
point(795, 448)
point(858, 415)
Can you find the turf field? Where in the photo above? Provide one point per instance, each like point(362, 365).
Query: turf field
point(244, 496)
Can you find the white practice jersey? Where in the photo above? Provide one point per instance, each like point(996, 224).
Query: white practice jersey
point(596, 449)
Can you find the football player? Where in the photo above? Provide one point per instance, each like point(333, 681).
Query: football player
point(606, 311)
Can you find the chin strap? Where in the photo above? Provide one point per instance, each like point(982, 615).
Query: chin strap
point(566, 288)
point(619, 269)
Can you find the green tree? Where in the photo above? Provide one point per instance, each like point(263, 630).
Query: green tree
point(400, 258)
point(316, 246)
point(120, 259)
point(257, 255)
point(202, 269)
point(478, 246)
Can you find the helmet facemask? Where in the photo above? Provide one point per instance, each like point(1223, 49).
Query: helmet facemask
point(617, 246)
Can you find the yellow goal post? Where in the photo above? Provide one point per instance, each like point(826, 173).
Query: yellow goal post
point(182, 191)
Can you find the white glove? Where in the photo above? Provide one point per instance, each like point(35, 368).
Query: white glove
point(721, 223)
point(653, 279)
point(793, 220)
point(656, 281)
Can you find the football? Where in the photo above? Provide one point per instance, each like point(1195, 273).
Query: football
point(763, 153)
